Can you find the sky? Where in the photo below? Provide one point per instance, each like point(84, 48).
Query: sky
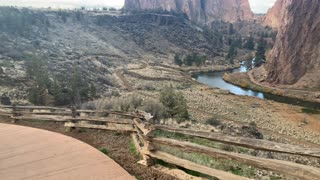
point(258, 6)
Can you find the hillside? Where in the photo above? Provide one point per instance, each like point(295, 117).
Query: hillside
point(44, 51)
point(94, 44)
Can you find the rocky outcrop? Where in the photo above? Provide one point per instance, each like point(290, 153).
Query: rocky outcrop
point(295, 57)
point(276, 14)
point(200, 11)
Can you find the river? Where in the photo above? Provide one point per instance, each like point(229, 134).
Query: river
point(214, 79)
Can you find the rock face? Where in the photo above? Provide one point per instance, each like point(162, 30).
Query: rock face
point(295, 57)
point(200, 11)
point(275, 14)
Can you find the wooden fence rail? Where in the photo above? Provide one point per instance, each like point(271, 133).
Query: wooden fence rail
point(91, 119)
point(289, 169)
point(251, 143)
point(52, 111)
point(193, 166)
point(282, 167)
point(34, 107)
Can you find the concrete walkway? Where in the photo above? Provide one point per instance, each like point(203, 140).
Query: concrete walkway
point(29, 153)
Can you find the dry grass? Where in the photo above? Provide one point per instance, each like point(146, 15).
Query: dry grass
point(129, 103)
point(221, 164)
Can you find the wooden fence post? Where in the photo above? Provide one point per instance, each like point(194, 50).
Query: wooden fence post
point(144, 131)
point(73, 111)
point(14, 114)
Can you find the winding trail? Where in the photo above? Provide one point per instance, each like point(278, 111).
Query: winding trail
point(29, 153)
point(124, 80)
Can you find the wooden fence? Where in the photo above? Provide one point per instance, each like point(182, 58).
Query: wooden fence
point(138, 123)
point(72, 118)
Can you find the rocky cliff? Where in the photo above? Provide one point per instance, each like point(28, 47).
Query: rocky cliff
point(200, 11)
point(295, 57)
point(276, 14)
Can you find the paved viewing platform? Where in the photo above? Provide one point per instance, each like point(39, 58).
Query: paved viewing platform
point(35, 154)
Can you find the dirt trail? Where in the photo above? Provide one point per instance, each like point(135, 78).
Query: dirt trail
point(124, 80)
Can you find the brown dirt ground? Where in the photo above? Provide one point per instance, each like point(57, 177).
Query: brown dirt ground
point(116, 143)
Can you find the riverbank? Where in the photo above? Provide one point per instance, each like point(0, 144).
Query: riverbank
point(207, 69)
point(243, 80)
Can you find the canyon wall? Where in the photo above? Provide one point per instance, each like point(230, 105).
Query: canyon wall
point(200, 11)
point(295, 57)
point(275, 14)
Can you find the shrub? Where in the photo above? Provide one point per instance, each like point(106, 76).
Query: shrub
point(260, 53)
point(249, 43)
point(147, 87)
point(310, 111)
point(196, 59)
point(227, 147)
point(4, 100)
point(175, 103)
point(132, 148)
point(108, 80)
point(37, 71)
point(252, 130)
point(232, 53)
point(61, 89)
point(135, 101)
point(213, 122)
point(129, 103)
point(89, 105)
point(156, 109)
point(253, 124)
point(104, 151)
point(177, 60)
